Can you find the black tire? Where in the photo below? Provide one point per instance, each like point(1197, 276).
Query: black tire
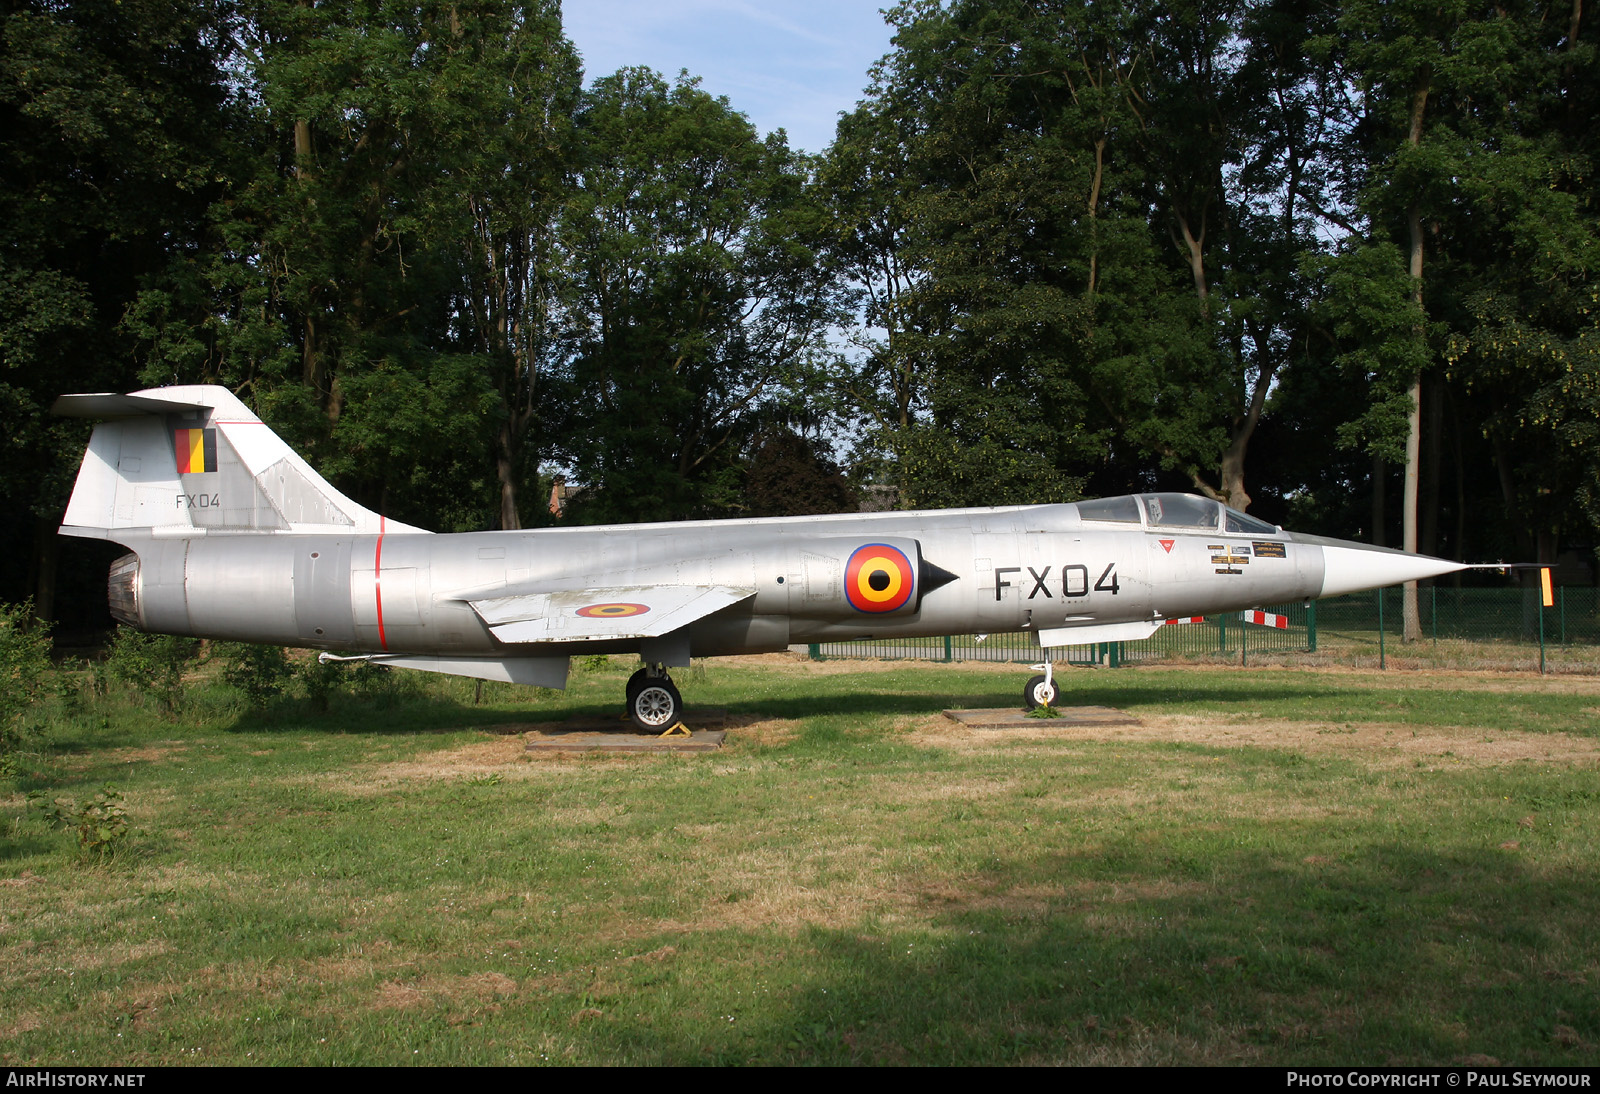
point(656, 707)
point(1039, 692)
point(635, 682)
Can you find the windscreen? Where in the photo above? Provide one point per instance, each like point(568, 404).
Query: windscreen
point(1180, 511)
point(1121, 510)
point(1238, 522)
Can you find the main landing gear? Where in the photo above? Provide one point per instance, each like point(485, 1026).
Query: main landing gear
point(654, 704)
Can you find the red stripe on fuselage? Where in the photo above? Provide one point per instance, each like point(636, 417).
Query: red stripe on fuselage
point(377, 581)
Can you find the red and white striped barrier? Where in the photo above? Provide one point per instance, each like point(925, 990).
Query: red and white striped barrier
point(1266, 619)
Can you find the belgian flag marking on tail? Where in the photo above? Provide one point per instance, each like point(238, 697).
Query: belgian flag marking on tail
point(197, 450)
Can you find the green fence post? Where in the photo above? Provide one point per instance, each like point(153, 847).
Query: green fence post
point(1433, 608)
point(1222, 635)
point(947, 651)
point(1561, 598)
point(814, 651)
point(1244, 643)
point(1381, 663)
point(1541, 632)
point(1311, 626)
point(1116, 655)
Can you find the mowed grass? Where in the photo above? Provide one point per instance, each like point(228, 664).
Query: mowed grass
point(1276, 866)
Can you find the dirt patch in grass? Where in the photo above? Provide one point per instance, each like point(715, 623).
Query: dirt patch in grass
point(146, 754)
point(1377, 742)
point(482, 987)
point(493, 756)
point(1408, 679)
point(766, 732)
point(1381, 743)
point(396, 996)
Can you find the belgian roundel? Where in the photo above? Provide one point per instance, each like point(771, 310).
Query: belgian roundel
point(612, 611)
point(879, 578)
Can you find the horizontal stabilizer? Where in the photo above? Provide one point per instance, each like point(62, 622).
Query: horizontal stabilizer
point(108, 405)
point(588, 615)
point(1098, 632)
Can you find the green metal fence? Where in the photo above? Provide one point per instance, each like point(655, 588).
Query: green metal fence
point(1226, 635)
point(1470, 628)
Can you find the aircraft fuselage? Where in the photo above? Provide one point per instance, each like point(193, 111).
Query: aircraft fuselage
point(1033, 568)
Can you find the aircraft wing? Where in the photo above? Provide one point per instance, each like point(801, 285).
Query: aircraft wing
point(622, 611)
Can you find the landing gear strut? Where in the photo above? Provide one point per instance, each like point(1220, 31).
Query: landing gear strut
point(654, 704)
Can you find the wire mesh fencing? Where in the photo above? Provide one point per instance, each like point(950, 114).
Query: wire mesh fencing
point(1448, 628)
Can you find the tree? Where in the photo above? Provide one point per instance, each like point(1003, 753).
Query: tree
point(1476, 265)
point(694, 303)
point(1090, 232)
point(111, 121)
point(378, 278)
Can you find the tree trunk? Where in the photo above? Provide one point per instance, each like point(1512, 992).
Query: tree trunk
point(506, 468)
point(1380, 503)
point(1412, 620)
point(47, 552)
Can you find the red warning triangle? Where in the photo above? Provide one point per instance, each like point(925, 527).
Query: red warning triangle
point(1166, 545)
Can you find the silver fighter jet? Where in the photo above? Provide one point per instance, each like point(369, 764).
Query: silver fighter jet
point(233, 536)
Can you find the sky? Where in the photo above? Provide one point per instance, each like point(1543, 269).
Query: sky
point(788, 64)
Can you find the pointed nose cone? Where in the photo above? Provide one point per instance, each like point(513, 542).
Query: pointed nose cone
point(1350, 567)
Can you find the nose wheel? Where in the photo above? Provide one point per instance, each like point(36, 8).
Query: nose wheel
point(654, 704)
point(1041, 691)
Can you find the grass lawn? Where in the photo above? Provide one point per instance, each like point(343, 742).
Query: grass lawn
point(1276, 866)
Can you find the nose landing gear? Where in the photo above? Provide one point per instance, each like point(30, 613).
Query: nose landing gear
point(1041, 690)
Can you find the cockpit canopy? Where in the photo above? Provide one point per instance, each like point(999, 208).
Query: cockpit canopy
point(1181, 512)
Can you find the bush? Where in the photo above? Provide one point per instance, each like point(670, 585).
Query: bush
point(261, 672)
point(152, 664)
point(101, 822)
point(320, 681)
point(24, 670)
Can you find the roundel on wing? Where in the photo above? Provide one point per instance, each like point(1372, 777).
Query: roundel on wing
point(879, 578)
point(612, 611)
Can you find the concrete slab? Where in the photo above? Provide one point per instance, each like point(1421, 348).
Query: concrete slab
point(617, 734)
point(1012, 718)
point(581, 740)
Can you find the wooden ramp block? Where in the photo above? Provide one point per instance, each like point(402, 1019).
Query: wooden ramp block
point(1011, 718)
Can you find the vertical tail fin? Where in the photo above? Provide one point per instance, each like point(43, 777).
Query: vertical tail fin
point(187, 461)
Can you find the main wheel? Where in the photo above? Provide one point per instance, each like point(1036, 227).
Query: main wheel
point(656, 706)
point(1040, 692)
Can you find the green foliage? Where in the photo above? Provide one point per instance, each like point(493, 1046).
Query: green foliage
point(100, 822)
point(790, 475)
point(152, 665)
point(695, 297)
point(24, 669)
point(1368, 305)
point(262, 673)
point(320, 681)
point(939, 470)
point(1058, 215)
